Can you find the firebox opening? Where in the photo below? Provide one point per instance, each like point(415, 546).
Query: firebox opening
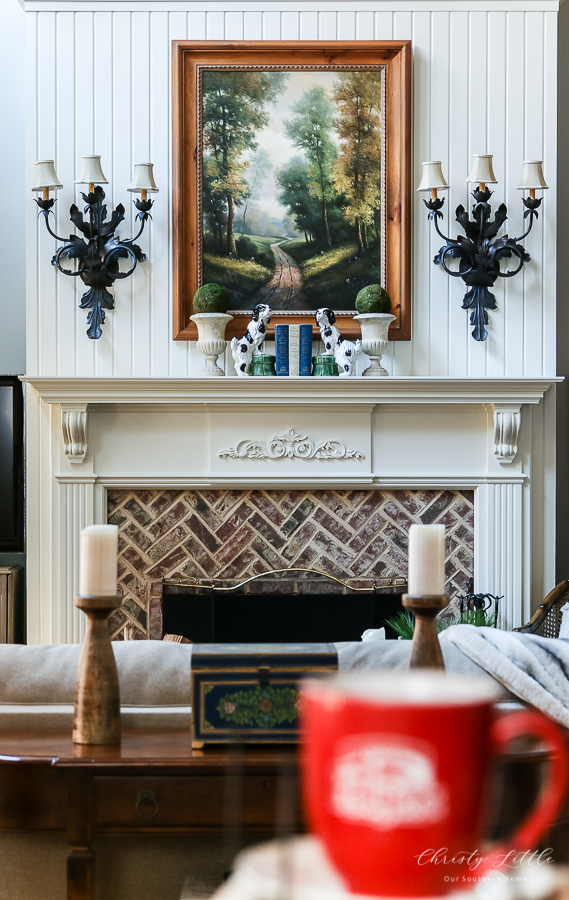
point(239, 617)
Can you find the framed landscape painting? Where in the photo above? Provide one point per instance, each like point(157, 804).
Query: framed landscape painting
point(292, 178)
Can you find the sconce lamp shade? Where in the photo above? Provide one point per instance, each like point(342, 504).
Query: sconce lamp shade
point(91, 172)
point(481, 170)
point(532, 177)
point(46, 176)
point(143, 179)
point(432, 178)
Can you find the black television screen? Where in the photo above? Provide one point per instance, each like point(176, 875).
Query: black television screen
point(11, 465)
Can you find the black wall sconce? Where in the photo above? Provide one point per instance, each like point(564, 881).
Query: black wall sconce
point(98, 252)
point(479, 252)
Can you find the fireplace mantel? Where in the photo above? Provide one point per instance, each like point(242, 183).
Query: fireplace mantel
point(95, 435)
point(305, 391)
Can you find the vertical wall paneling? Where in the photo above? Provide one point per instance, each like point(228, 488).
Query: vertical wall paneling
point(328, 25)
point(496, 144)
point(141, 113)
point(46, 150)
point(103, 144)
point(254, 25)
point(122, 316)
point(309, 25)
point(422, 263)
point(271, 25)
point(290, 24)
point(477, 101)
point(158, 233)
point(384, 26)
point(515, 102)
point(484, 81)
point(179, 352)
point(196, 25)
point(69, 290)
point(364, 25)
point(439, 143)
point(346, 24)
point(32, 219)
point(85, 144)
point(532, 149)
point(547, 219)
point(458, 162)
point(234, 25)
point(215, 25)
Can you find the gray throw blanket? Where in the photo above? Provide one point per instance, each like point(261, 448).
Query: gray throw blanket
point(534, 668)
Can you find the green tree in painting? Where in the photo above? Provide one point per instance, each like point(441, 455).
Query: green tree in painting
point(357, 171)
point(293, 180)
point(310, 131)
point(234, 109)
point(258, 170)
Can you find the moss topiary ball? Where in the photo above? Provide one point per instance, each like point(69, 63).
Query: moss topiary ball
point(373, 299)
point(211, 298)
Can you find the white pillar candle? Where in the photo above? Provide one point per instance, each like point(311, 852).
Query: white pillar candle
point(98, 561)
point(426, 560)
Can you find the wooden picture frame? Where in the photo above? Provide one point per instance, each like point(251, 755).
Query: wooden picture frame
point(195, 60)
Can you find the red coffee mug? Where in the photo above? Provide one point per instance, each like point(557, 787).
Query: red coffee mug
point(396, 772)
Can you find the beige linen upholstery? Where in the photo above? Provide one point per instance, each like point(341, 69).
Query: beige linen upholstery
point(37, 684)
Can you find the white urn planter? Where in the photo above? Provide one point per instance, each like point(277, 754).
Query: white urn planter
point(211, 339)
point(375, 328)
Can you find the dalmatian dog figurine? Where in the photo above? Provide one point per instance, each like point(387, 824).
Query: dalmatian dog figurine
point(244, 349)
point(344, 352)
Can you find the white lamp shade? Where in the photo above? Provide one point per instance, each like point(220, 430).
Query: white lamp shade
point(46, 176)
point(432, 178)
point(143, 179)
point(532, 177)
point(91, 172)
point(481, 170)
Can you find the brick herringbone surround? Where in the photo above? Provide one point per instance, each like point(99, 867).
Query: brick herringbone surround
point(357, 535)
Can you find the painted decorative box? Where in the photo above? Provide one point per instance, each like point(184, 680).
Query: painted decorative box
point(249, 692)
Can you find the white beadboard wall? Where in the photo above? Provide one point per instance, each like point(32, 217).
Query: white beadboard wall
point(99, 80)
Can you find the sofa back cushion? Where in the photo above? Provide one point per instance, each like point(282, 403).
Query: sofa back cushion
point(151, 673)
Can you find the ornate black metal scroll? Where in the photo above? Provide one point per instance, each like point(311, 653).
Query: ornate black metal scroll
point(99, 253)
point(480, 252)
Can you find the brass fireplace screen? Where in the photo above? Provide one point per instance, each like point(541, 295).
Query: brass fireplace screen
point(283, 610)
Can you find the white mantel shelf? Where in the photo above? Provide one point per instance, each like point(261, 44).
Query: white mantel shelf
point(302, 391)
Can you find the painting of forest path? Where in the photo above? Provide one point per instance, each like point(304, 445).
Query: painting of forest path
point(292, 185)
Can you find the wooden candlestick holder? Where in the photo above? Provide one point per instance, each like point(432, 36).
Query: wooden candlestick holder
point(426, 651)
point(96, 719)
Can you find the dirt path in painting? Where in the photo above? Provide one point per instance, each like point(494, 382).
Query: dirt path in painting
point(284, 290)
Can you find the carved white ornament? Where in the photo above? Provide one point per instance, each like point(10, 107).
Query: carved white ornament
point(506, 429)
point(293, 445)
point(74, 428)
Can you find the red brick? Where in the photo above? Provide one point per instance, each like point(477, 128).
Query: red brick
point(332, 525)
point(172, 539)
point(168, 519)
point(331, 548)
point(367, 508)
point(168, 564)
point(230, 526)
point(238, 565)
point(234, 546)
point(269, 509)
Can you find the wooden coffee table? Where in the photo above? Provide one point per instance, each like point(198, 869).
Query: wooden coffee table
point(155, 783)
point(152, 783)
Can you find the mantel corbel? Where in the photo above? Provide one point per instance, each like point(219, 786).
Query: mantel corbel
point(74, 429)
point(507, 420)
